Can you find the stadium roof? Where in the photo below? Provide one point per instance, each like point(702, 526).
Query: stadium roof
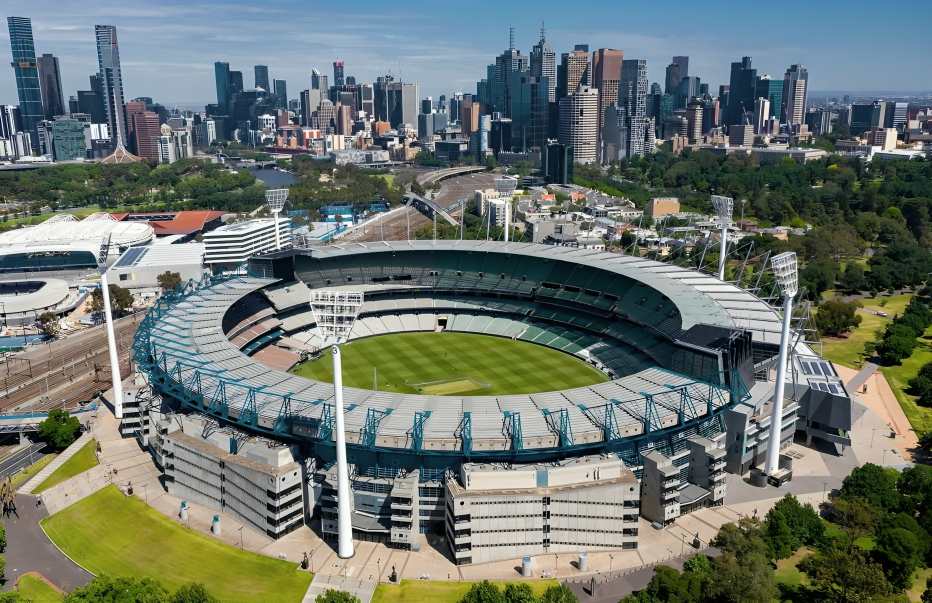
point(51, 292)
point(178, 223)
point(700, 298)
point(59, 229)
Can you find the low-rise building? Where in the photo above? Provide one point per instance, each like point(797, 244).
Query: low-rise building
point(232, 244)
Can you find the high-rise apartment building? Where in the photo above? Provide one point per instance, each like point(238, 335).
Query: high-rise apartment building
point(261, 79)
point(795, 88)
point(761, 114)
point(741, 91)
point(339, 79)
point(694, 121)
point(606, 76)
point(544, 64)
point(53, 101)
point(632, 99)
point(68, 140)
point(573, 71)
point(147, 131)
point(676, 71)
point(111, 81)
point(579, 122)
point(26, 73)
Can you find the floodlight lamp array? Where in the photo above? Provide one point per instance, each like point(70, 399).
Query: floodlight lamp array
point(785, 272)
point(275, 199)
point(723, 206)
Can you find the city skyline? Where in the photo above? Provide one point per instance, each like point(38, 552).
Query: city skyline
point(168, 49)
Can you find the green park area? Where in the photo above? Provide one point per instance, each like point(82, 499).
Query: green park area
point(34, 589)
point(435, 591)
point(29, 472)
point(83, 459)
point(850, 351)
point(110, 533)
point(445, 364)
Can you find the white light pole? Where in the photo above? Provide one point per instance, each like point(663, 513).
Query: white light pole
point(723, 209)
point(112, 348)
point(275, 200)
point(785, 272)
point(335, 313)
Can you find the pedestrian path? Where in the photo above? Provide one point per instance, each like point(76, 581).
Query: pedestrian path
point(46, 471)
point(361, 589)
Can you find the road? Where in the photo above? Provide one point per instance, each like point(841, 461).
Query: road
point(21, 459)
point(409, 220)
point(69, 370)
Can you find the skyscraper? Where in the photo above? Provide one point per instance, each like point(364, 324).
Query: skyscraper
point(509, 62)
point(339, 80)
point(694, 121)
point(262, 77)
point(606, 76)
point(741, 91)
point(318, 81)
point(236, 83)
point(625, 131)
point(26, 73)
point(53, 102)
point(222, 82)
point(578, 123)
point(573, 71)
point(280, 89)
point(544, 64)
point(402, 104)
point(795, 89)
point(111, 81)
point(772, 90)
point(676, 71)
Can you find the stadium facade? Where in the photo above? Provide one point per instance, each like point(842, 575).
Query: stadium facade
point(689, 360)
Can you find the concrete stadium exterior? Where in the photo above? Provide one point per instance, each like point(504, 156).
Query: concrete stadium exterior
point(689, 359)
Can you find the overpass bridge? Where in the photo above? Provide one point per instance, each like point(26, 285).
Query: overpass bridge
point(429, 208)
point(431, 178)
point(24, 422)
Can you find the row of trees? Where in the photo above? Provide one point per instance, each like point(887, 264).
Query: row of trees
point(921, 385)
point(884, 518)
point(516, 592)
point(901, 335)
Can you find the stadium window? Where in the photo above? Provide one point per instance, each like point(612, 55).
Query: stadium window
point(349, 279)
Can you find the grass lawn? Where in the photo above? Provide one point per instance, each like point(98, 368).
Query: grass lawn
point(436, 591)
point(34, 589)
point(122, 536)
point(446, 364)
point(919, 584)
point(26, 474)
point(389, 179)
point(83, 459)
point(849, 351)
point(787, 573)
point(898, 377)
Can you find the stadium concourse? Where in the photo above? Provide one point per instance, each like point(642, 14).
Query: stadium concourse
point(687, 399)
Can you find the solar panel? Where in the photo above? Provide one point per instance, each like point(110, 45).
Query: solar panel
point(131, 257)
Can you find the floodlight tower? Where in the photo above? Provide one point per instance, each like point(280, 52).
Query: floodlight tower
point(786, 274)
point(275, 200)
point(117, 381)
point(335, 312)
point(723, 209)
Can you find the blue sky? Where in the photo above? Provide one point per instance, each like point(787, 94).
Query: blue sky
point(168, 47)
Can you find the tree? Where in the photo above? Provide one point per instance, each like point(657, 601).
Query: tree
point(873, 483)
point(853, 278)
point(519, 592)
point(107, 589)
point(790, 525)
point(193, 593)
point(2, 538)
point(836, 317)
point(48, 322)
point(900, 552)
point(742, 573)
point(558, 594)
point(59, 429)
point(336, 596)
point(845, 576)
point(168, 280)
point(483, 592)
point(120, 299)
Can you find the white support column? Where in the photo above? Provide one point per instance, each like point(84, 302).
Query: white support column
point(117, 382)
point(776, 416)
point(278, 236)
point(723, 251)
point(344, 509)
